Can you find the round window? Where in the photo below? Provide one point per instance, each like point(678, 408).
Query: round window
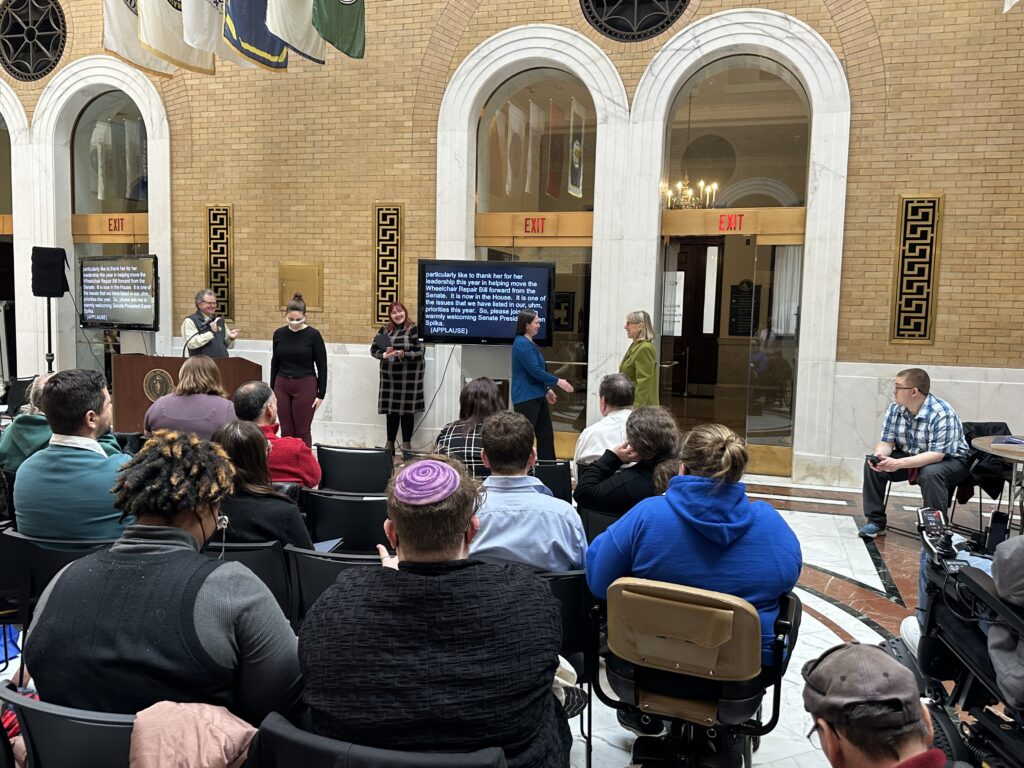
point(632, 20)
point(32, 37)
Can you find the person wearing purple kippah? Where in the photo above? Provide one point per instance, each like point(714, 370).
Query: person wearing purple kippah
point(436, 652)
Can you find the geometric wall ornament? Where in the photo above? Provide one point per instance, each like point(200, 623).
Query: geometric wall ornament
point(219, 264)
point(387, 247)
point(632, 20)
point(917, 269)
point(32, 37)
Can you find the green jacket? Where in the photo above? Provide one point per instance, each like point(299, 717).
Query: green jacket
point(29, 433)
point(641, 365)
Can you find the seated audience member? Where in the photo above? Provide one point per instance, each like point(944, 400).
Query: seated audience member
point(615, 399)
point(520, 521)
point(198, 403)
point(460, 439)
point(705, 533)
point(1005, 646)
point(290, 459)
point(255, 510)
point(153, 620)
point(29, 432)
point(438, 652)
point(63, 491)
point(922, 441)
point(604, 486)
point(868, 711)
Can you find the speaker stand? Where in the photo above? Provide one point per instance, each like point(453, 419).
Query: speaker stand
point(49, 337)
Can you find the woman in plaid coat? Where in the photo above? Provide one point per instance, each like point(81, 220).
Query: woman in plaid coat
point(401, 374)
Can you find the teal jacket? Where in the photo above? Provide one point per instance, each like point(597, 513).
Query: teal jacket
point(64, 493)
point(29, 433)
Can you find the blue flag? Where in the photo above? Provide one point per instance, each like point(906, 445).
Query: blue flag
point(245, 29)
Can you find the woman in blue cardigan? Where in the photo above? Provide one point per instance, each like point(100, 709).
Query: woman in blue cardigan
point(532, 391)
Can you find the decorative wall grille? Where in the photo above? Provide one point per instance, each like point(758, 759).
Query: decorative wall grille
point(632, 20)
point(387, 242)
point(917, 268)
point(32, 37)
point(220, 261)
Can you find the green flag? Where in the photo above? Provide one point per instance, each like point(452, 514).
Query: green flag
point(341, 23)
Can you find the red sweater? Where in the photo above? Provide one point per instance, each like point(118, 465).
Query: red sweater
point(290, 459)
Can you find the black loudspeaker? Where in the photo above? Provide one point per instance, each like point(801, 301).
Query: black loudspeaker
point(48, 278)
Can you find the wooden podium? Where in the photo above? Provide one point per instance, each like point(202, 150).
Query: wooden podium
point(138, 380)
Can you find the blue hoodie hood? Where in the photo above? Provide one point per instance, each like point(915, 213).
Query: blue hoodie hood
point(719, 511)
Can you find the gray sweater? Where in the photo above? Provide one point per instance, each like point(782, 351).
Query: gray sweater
point(237, 621)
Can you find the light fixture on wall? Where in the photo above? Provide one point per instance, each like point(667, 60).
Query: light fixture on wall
point(681, 195)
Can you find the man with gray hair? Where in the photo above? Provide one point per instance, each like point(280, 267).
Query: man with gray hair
point(867, 710)
point(615, 399)
point(204, 332)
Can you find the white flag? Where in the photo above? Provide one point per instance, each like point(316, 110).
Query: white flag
point(1008, 4)
point(516, 139)
point(203, 23)
point(292, 21)
point(121, 37)
point(533, 148)
point(161, 30)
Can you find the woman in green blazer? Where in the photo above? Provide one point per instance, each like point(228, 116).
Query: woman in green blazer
point(641, 361)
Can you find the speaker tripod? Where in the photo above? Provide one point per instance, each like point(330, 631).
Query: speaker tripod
point(49, 337)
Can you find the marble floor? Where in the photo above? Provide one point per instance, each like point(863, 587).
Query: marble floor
point(850, 590)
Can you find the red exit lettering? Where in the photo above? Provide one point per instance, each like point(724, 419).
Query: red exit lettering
point(730, 222)
point(534, 225)
point(115, 225)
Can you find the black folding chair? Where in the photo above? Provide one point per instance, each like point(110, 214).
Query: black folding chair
point(595, 523)
point(312, 572)
point(557, 476)
point(279, 744)
point(575, 601)
point(65, 737)
point(354, 470)
point(265, 559)
point(36, 561)
point(357, 520)
point(17, 395)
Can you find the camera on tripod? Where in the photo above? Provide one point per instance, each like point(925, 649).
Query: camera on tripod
point(972, 720)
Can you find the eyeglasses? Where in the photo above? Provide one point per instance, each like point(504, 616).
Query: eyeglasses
point(897, 388)
point(814, 735)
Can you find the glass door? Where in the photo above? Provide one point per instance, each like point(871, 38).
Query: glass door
point(773, 307)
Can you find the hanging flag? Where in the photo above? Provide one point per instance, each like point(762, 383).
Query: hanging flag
point(1008, 4)
point(516, 138)
point(245, 29)
point(121, 37)
point(533, 148)
point(342, 24)
point(292, 21)
point(161, 31)
point(556, 151)
point(203, 23)
point(577, 119)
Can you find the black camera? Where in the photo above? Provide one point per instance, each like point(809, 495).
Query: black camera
point(953, 668)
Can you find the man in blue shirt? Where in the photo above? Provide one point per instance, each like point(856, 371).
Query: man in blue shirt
point(63, 491)
point(520, 521)
point(922, 441)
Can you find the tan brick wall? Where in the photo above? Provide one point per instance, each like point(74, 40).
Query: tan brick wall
point(303, 156)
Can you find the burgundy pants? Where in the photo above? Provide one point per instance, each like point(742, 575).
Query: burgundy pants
point(295, 406)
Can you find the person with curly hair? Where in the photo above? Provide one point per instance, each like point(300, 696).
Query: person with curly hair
point(151, 619)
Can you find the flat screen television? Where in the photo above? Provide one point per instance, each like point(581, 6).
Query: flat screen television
point(119, 292)
point(477, 302)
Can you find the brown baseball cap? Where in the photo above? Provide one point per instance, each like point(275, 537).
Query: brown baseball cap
point(852, 674)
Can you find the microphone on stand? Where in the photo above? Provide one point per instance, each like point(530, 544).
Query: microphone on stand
point(203, 327)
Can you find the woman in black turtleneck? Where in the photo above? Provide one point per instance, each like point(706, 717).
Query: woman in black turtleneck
point(298, 372)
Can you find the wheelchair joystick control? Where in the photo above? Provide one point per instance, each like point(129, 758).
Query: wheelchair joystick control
point(944, 547)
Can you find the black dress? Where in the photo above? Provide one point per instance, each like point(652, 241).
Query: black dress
point(253, 519)
point(401, 380)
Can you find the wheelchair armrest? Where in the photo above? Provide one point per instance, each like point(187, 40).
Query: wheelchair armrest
point(789, 604)
point(981, 585)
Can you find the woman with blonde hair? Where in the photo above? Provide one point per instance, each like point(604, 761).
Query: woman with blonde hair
point(198, 403)
point(705, 533)
point(640, 362)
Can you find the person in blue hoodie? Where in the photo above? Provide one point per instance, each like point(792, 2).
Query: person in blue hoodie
point(705, 533)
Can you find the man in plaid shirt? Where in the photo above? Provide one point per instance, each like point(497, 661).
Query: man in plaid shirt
point(922, 441)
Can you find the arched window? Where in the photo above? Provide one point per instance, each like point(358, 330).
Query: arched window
point(535, 145)
point(109, 157)
point(6, 206)
point(743, 123)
